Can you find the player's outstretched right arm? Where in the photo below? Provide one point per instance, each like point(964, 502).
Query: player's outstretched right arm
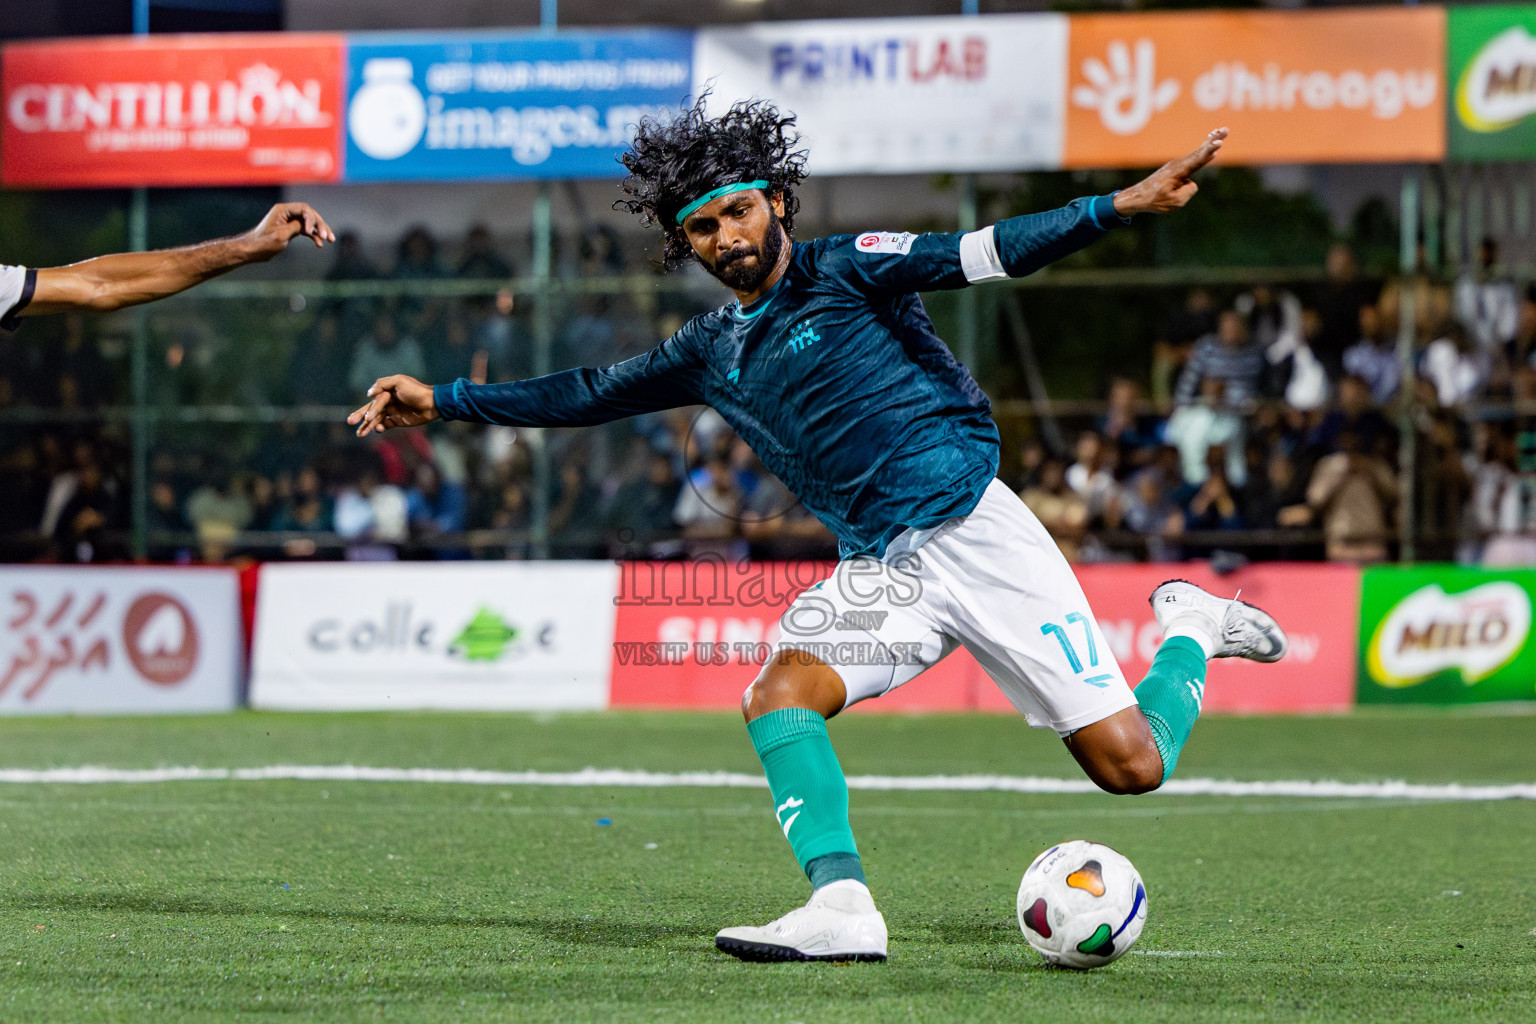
point(397, 401)
point(668, 376)
point(131, 278)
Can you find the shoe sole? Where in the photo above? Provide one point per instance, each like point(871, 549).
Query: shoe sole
point(1267, 623)
point(767, 953)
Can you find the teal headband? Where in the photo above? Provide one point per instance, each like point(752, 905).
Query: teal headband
point(713, 194)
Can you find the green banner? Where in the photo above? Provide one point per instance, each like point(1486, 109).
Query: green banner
point(1446, 635)
point(1491, 83)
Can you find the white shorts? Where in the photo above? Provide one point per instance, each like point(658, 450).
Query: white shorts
point(993, 581)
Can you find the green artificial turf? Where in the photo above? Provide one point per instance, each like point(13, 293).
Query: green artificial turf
point(390, 901)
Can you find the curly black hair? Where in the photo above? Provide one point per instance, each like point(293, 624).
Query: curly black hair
point(672, 163)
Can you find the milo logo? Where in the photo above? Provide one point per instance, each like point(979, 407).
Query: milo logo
point(1476, 632)
point(1498, 87)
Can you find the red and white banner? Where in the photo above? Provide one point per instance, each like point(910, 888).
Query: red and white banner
point(693, 635)
point(118, 640)
point(1318, 606)
point(172, 110)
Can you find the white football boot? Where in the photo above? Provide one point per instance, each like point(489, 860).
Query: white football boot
point(1235, 628)
point(839, 923)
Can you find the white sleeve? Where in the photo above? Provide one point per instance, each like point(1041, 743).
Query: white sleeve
point(16, 284)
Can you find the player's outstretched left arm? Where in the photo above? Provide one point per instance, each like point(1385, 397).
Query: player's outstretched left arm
point(888, 262)
point(1172, 185)
point(131, 278)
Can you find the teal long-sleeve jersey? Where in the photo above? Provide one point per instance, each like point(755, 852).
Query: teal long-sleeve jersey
point(835, 376)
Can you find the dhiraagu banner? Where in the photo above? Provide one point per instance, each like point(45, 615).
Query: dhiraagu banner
point(1491, 72)
point(1446, 635)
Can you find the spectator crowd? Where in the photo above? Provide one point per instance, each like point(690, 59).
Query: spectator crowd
point(1274, 428)
point(1270, 425)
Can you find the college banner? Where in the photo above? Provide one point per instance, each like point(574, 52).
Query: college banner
point(902, 95)
point(171, 110)
point(500, 107)
point(1491, 79)
point(693, 635)
point(130, 640)
point(1446, 634)
point(1341, 86)
point(483, 636)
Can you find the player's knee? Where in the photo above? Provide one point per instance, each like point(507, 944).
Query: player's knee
point(771, 692)
point(790, 683)
point(1132, 775)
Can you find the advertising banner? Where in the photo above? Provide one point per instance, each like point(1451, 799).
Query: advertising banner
point(1491, 82)
point(1314, 604)
point(171, 110)
point(1445, 634)
point(130, 640)
point(902, 95)
point(694, 636)
point(429, 107)
point(1355, 85)
point(485, 636)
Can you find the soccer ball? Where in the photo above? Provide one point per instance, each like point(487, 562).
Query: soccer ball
point(1081, 905)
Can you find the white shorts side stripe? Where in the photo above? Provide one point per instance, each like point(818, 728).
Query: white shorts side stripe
point(978, 255)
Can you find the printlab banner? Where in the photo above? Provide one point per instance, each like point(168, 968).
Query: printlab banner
point(484, 636)
point(92, 641)
point(1492, 82)
point(902, 95)
point(171, 110)
point(1445, 634)
point(432, 107)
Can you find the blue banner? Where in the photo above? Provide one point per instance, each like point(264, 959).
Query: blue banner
point(504, 107)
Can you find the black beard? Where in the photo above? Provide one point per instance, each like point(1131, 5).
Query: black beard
point(737, 275)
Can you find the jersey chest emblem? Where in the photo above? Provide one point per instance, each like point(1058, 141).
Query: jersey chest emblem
point(803, 336)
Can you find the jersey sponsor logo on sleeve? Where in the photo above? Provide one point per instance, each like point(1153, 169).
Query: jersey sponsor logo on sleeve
point(899, 242)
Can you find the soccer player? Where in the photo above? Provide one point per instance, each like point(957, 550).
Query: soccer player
point(131, 278)
point(829, 367)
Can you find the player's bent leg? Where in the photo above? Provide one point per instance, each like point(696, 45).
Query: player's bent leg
point(786, 710)
point(1136, 750)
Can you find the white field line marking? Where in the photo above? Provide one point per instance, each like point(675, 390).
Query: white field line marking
point(1175, 952)
point(612, 777)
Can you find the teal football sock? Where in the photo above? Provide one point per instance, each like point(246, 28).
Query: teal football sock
point(810, 795)
point(1170, 696)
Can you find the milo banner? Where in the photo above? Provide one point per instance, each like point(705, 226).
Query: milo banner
point(1491, 75)
point(1446, 635)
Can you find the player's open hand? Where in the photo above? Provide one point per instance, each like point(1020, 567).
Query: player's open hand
point(397, 401)
point(282, 224)
point(1172, 185)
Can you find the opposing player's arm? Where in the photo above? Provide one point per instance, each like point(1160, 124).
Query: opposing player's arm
point(131, 278)
point(668, 376)
point(1019, 246)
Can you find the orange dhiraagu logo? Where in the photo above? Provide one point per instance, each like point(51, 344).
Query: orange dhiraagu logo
point(1477, 632)
point(1315, 86)
point(1089, 878)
